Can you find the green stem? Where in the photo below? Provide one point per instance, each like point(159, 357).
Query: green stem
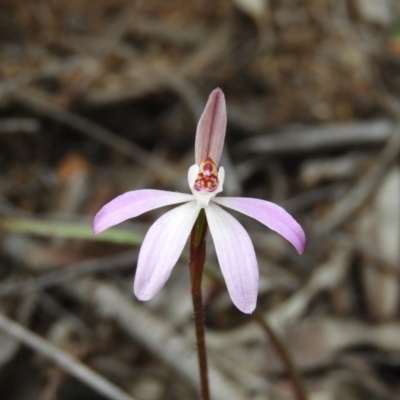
point(283, 353)
point(196, 264)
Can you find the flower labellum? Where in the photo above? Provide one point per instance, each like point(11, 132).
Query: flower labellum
point(167, 237)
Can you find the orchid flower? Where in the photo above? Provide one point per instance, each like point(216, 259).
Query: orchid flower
point(167, 237)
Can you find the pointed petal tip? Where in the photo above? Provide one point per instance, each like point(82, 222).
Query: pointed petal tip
point(302, 246)
point(218, 96)
point(246, 308)
point(299, 241)
point(142, 295)
point(217, 91)
point(95, 226)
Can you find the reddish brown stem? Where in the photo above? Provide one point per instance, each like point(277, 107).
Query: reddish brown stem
point(196, 263)
point(298, 388)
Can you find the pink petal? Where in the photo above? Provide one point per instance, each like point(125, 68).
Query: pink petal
point(211, 129)
point(269, 214)
point(132, 204)
point(236, 257)
point(161, 249)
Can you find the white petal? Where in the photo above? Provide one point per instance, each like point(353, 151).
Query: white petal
point(269, 214)
point(236, 257)
point(161, 249)
point(132, 204)
point(192, 175)
point(221, 180)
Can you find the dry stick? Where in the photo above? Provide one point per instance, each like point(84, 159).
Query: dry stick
point(95, 132)
point(74, 271)
point(284, 355)
point(367, 249)
point(153, 78)
point(83, 125)
point(313, 139)
point(356, 197)
point(62, 359)
point(185, 90)
point(197, 259)
point(11, 85)
point(19, 125)
point(285, 314)
point(152, 332)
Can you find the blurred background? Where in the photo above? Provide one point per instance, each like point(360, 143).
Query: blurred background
point(98, 98)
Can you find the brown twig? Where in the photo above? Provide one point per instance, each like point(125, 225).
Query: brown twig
point(19, 125)
point(96, 132)
point(152, 332)
point(367, 186)
point(11, 85)
point(85, 126)
point(74, 271)
point(284, 355)
point(311, 139)
point(62, 359)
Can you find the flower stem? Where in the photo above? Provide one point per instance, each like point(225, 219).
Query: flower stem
point(283, 353)
point(196, 264)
